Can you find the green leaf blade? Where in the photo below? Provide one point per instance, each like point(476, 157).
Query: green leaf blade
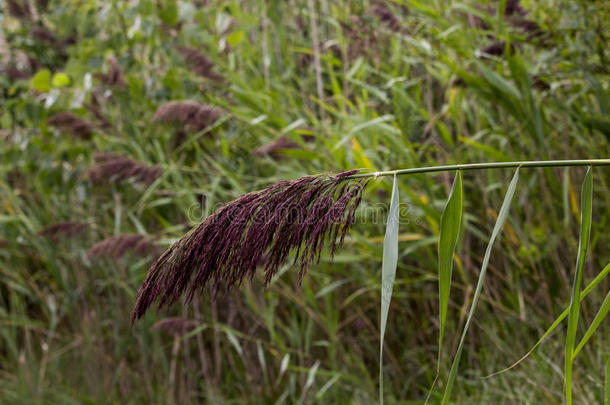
point(586, 208)
point(388, 273)
point(497, 228)
point(451, 221)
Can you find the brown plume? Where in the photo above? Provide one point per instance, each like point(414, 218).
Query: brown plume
point(72, 123)
point(119, 168)
point(257, 229)
point(274, 148)
point(19, 9)
point(198, 63)
point(114, 76)
point(118, 246)
point(190, 113)
point(63, 230)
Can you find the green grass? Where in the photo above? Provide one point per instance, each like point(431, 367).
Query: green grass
point(390, 100)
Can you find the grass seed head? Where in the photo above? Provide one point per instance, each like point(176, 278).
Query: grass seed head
point(258, 229)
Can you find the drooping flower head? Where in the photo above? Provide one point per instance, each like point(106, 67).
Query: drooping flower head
point(259, 229)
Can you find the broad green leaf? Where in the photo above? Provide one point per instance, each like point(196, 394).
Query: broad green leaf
point(235, 37)
point(60, 80)
point(599, 317)
point(388, 273)
point(498, 226)
point(41, 81)
point(451, 221)
point(586, 207)
point(598, 279)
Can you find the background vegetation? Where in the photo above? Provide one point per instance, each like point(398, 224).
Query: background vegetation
point(298, 87)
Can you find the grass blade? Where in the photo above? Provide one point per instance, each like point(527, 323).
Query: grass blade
point(607, 383)
point(599, 317)
point(586, 206)
point(497, 227)
point(451, 221)
point(388, 273)
point(598, 279)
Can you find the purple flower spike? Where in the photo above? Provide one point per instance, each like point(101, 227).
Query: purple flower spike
point(258, 229)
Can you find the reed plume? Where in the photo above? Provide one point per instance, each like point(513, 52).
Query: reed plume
point(274, 148)
point(190, 113)
point(63, 230)
point(72, 123)
point(257, 229)
point(114, 76)
point(198, 63)
point(118, 246)
point(119, 168)
point(386, 16)
point(19, 9)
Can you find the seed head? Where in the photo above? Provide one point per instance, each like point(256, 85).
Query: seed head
point(258, 229)
point(189, 113)
point(72, 123)
point(118, 246)
point(119, 168)
point(198, 63)
point(63, 230)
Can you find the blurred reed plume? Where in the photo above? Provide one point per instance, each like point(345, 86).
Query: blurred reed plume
point(118, 246)
point(257, 229)
point(274, 148)
point(198, 63)
point(63, 230)
point(19, 9)
point(15, 73)
point(175, 326)
point(43, 35)
point(119, 168)
point(190, 113)
point(385, 15)
point(94, 108)
point(114, 76)
point(496, 49)
point(72, 123)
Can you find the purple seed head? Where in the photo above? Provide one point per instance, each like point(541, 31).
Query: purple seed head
point(258, 229)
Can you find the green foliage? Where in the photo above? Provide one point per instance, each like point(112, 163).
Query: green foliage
point(421, 94)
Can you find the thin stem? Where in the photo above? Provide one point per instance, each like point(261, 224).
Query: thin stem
point(495, 165)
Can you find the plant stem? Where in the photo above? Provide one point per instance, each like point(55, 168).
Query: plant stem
point(495, 165)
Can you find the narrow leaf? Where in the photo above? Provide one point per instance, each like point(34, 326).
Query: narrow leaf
point(598, 279)
point(599, 317)
point(388, 273)
point(451, 221)
point(498, 226)
point(607, 383)
point(586, 207)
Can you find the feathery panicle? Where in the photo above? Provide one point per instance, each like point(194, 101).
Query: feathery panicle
point(198, 63)
point(496, 49)
point(190, 113)
point(63, 230)
point(114, 76)
point(94, 109)
point(119, 168)
point(385, 15)
point(257, 229)
point(175, 326)
point(273, 149)
point(42, 34)
point(15, 73)
point(19, 9)
point(72, 123)
point(117, 246)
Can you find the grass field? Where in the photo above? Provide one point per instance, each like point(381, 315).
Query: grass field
point(123, 124)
